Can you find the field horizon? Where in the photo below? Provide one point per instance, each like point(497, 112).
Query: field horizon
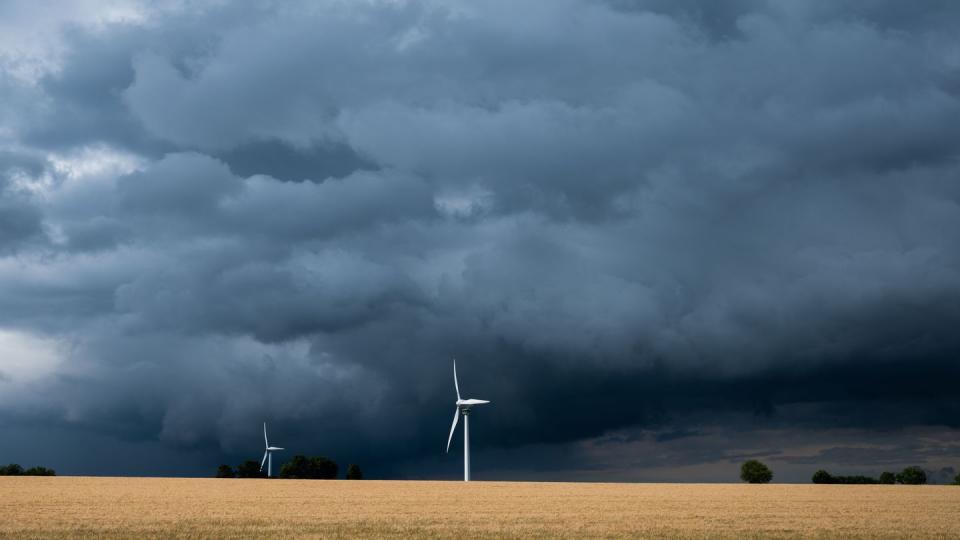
point(154, 507)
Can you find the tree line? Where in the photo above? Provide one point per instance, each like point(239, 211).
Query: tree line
point(14, 469)
point(913, 476)
point(755, 472)
point(300, 467)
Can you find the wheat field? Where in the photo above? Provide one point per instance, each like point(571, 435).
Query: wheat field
point(85, 507)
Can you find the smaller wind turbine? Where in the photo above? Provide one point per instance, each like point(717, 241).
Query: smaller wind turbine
point(463, 407)
point(268, 453)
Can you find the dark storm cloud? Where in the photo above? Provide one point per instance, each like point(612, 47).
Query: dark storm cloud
point(20, 219)
point(741, 212)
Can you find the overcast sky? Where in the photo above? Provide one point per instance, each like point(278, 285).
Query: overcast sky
point(660, 236)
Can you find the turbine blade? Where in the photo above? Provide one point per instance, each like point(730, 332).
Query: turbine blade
point(264, 460)
point(265, 435)
point(456, 418)
point(455, 383)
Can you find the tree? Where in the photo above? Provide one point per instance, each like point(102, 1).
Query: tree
point(353, 472)
point(11, 470)
point(249, 469)
point(822, 477)
point(225, 471)
point(39, 471)
point(755, 472)
point(887, 477)
point(956, 480)
point(314, 468)
point(912, 476)
point(297, 467)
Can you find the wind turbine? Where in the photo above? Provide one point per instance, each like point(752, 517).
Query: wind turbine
point(268, 453)
point(463, 407)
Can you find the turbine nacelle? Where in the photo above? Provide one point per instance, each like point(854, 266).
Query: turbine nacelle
point(467, 403)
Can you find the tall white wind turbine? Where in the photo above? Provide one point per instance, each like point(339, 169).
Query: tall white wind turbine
point(463, 407)
point(268, 453)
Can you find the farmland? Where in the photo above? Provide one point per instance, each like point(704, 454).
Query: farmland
point(84, 507)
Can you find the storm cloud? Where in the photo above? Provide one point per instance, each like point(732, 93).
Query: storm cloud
point(636, 224)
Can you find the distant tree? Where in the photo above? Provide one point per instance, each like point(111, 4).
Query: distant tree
point(912, 476)
point(353, 472)
point(956, 480)
point(314, 468)
point(249, 469)
point(297, 467)
point(39, 471)
point(755, 472)
point(11, 470)
point(822, 477)
point(225, 471)
point(887, 477)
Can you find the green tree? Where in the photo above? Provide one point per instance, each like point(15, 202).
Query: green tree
point(956, 480)
point(225, 471)
point(249, 469)
point(822, 477)
point(297, 467)
point(887, 477)
point(353, 472)
point(314, 468)
point(39, 471)
point(755, 472)
point(912, 476)
point(11, 470)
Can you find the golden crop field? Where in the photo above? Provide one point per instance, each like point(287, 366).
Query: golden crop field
point(83, 507)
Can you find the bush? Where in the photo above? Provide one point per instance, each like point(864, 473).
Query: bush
point(11, 470)
point(822, 477)
point(956, 480)
point(887, 477)
point(314, 468)
point(912, 476)
point(250, 469)
point(16, 470)
point(225, 471)
point(755, 472)
point(353, 472)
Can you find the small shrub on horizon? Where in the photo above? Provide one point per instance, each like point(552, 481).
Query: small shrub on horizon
point(225, 471)
point(312, 468)
point(887, 477)
point(755, 472)
point(250, 469)
point(353, 472)
point(12, 469)
point(822, 477)
point(913, 476)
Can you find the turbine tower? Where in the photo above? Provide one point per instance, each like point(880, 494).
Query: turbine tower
point(268, 453)
point(463, 407)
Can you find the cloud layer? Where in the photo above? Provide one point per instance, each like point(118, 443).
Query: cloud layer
point(618, 215)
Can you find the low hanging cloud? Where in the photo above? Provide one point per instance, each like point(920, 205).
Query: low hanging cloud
point(739, 213)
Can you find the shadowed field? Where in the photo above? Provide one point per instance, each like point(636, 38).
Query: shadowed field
point(81, 507)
